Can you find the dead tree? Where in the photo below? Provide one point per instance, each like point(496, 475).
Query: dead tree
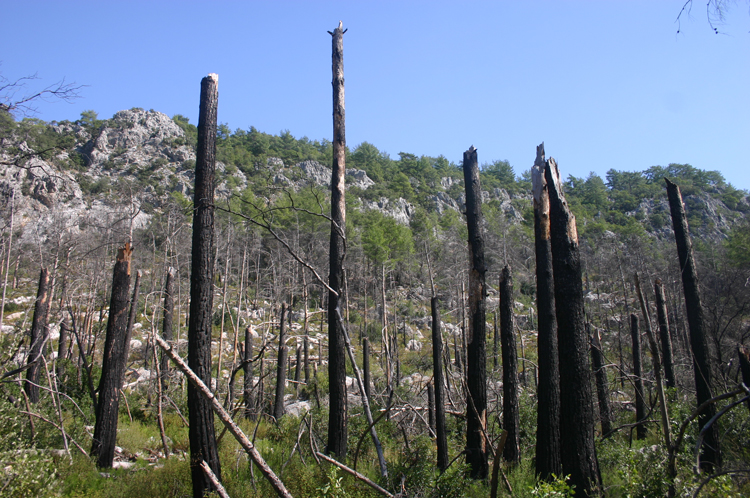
point(711, 452)
point(113, 362)
point(437, 372)
point(511, 416)
point(248, 368)
point(167, 324)
point(366, 366)
point(744, 355)
point(202, 432)
point(576, 401)
point(640, 401)
point(476, 355)
point(278, 407)
point(39, 336)
point(63, 347)
point(131, 323)
point(337, 416)
point(602, 385)
point(664, 337)
point(548, 410)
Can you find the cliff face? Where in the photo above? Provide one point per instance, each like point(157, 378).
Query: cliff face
point(126, 167)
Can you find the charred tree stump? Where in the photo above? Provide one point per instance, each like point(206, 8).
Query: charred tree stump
point(664, 337)
point(39, 336)
point(511, 416)
point(576, 400)
point(602, 385)
point(711, 452)
point(337, 429)
point(201, 418)
point(167, 324)
point(437, 372)
point(476, 355)
point(548, 460)
point(113, 362)
point(640, 401)
point(278, 407)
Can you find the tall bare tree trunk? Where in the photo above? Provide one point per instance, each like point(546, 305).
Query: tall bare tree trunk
point(711, 452)
point(337, 418)
point(113, 362)
point(202, 432)
point(602, 385)
point(278, 407)
point(437, 372)
point(167, 328)
point(39, 336)
point(366, 366)
point(640, 401)
point(511, 416)
point(664, 337)
point(476, 355)
point(576, 400)
point(131, 323)
point(248, 368)
point(548, 460)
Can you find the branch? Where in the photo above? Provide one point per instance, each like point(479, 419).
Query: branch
point(355, 474)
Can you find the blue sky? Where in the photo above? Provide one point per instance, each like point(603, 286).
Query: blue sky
point(605, 84)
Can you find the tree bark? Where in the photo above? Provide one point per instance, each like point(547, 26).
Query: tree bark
point(437, 372)
point(711, 452)
point(113, 362)
point(476, 412)
point(337, 417)
point(576, 401)
point(247, 368)
point(63, 347)
point(278, 407)
point(167, 324)
point(131, 322)
point(640, 402)
point(511, 416)
point(602, 385)
point(366, 366)
point(744, 355)
point(202, 431)
point(548, 460)
point(664, 337)
point(39, 336)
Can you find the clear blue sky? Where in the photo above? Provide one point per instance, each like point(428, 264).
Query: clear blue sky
point(605, 84)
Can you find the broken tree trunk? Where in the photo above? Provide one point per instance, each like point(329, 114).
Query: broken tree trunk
point(576, 400)
point(664, 337)
point(476, 355)
point(511, 416)
point(337, 416)
point(602, 385)
point(39, 336)
point(437, 372)
point(202, 432)
point(711, 452)
point(640, 402)
point(113, 362)
point(548, 460)
point(131, 323)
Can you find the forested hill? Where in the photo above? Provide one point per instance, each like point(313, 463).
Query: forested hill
point(89, 164)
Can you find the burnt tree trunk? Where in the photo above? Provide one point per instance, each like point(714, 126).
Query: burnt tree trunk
point(131, 323)
point(664, 337)
point(39, 336)
point(278, 407)
point(640, 402)
point(476, 355)
point(167, 326)
point(548, 460)
point(744, 355)
point(113, 362)
point(602, 385)
point(437, 372)
point(576, 401)
point(247, 369)
point(202, 432)
point(366, 366)
point(511, 416)
point(337, 416)
point(63, 347)
point(711, 452)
